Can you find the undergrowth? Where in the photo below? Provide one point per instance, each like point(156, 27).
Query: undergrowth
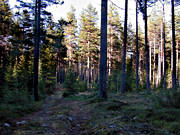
point(16, 104)
point(133, 113)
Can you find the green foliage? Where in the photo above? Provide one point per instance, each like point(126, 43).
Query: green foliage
point(17, 103)
point(80, 86)
point(72, 83)
point(94, 86)
point(48, 70)
point(168, 98)
point(89, 36)
point(17, 97)
point(70, 80)
point(174, 127)
point(114, 81)
point(70, 31)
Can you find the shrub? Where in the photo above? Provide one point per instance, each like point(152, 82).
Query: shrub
point(17, 97)
point(80, 86)
point(174, 127)
point(70, 81)
point(16, 103)
point(73, 84)
point(169, 98)
point(114, 81)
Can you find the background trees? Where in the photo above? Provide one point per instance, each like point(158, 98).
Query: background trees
point(89, 42)
point(66, 46)
point(71, 37)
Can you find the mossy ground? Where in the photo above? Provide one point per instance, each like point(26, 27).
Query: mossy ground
point(84, 114)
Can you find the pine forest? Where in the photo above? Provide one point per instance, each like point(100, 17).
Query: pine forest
point(94, 67)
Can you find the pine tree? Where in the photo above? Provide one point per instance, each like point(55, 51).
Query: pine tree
point(137, 48)
point(123, 78)
point(102, 92)
point(143, 5)
point(114, 38)
point(88, 40)
point(5, 30)
point(71, 37)
point(177, 43)
point(174, 84)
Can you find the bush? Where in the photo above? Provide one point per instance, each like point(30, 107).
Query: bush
point(16, 103)
point(114, 81)
point(80, 86)
point(174, 127)
point(47, 86)
point(73, 84)
point(17, 97)
point(169, 98)
point(70, 81)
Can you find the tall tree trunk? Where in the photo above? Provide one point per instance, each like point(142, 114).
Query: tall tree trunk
point(77, 68)
point(102, 92)
point(164, 45)
point(81, 71)
point(171, 63)
point(146, 50)
point(110, 55)
point(140, 67)
point(137, 48)
point(36, 48)
point(109, 52)
point(174, 85)
point(89, 68)
point(154, 67)
point(150, 62)
point(159, 66)
point(123, 78)
point(84, 75)
point(177, 52)
point(161, 55)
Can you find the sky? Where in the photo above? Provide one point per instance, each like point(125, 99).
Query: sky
point(60, 11)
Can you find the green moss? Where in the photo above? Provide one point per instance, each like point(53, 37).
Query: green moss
point(174, 127)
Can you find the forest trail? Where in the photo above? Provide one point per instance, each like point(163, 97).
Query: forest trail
point(85, 114)
point(58, 116)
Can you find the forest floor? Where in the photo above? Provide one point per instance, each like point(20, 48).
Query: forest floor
point(83, 114)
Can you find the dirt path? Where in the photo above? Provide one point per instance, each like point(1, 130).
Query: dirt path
point(58, 117)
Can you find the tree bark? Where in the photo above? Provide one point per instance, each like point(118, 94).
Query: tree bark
point(36, 48)
point(150, 62)
point(102, 92)
point(159, 66)
point(177, 52)
point(154, 67)
point(89, 68)
point(77, 68)
point(81, 71)
point(164, 44)
point(137, 48)
point(146, 50)
point(109, 51)
point(123, 77)
point(174, 85)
